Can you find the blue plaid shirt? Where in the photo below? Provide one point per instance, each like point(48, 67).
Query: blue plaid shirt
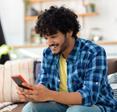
point(86, 73)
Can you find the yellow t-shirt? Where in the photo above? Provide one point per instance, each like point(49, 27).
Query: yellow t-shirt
point(63, 74)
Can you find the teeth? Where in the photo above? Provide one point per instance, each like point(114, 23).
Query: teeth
point(53, 46)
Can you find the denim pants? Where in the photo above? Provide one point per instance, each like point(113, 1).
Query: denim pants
point(57, 107)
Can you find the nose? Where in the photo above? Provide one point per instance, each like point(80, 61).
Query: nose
point(49, 41)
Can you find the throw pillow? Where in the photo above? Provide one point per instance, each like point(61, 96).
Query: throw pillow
point(8, 91)
point(113, 83)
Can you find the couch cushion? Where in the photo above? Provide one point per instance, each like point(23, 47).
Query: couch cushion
point(113, 83)
point(8, 90)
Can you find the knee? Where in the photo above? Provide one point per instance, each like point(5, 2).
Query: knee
point(37, 107)
point(44, 107)
point(27, 107)
point(34, 107)
point(76, 109)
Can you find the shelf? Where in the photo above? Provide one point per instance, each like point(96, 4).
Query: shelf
point(37, 1)
point(30, 18)
point(88, 14)
point(29, 46)
point(33, 18)
point(44, 44)
point(107, 42)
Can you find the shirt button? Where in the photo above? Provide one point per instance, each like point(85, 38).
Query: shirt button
point(96, 83)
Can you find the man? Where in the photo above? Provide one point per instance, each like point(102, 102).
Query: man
point(73, 76)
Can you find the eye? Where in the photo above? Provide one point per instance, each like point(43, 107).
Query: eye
point(45, 38)
point(53, 36)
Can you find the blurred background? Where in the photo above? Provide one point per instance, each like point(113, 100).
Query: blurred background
point(98, 19)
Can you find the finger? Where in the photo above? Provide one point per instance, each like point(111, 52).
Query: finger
point(30, 97)
point(27, 85)
point(23, 92)
point(21, 97)
point(19, 93)
point(19, 89)
point(27, 92)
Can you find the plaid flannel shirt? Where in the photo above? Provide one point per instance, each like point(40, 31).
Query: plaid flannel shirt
point(86, 73)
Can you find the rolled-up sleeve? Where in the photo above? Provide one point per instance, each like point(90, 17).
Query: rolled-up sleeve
point(96, 70)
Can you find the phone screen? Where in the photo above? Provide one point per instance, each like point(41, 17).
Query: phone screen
point(19, 80)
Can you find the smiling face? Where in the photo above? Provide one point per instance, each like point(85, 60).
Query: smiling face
point(61, 43)
point(58, 42)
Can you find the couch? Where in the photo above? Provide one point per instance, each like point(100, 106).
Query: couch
point(112, 68)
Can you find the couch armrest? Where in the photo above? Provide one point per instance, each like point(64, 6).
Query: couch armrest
point(112, 65)
point(36, 70)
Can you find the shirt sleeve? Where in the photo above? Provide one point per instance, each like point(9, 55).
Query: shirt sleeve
point(95, 71)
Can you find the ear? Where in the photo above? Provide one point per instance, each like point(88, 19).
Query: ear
point(70, 33)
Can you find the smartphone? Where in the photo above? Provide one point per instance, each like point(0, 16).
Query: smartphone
point(18, 79)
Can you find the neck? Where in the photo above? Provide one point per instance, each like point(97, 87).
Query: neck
point(70, 46)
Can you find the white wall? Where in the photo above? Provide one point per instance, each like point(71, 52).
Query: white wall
point(12, 15)
point(12, 18)
point(106, 19)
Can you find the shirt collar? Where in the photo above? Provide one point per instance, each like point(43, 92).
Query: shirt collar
point(73, 56)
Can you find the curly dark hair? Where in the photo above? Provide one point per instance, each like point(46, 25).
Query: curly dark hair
point(57, 19)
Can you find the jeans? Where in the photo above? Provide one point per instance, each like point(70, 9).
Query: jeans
point(80, 108)
point(44, 107)
point(57, 107)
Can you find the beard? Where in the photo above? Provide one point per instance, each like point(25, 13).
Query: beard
point(63, 46)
